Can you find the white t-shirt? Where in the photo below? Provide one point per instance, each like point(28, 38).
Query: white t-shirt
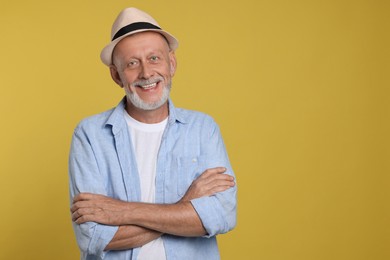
point(146, 139)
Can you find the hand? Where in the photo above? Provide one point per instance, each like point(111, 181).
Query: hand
point(208, 183)
point(98, 208)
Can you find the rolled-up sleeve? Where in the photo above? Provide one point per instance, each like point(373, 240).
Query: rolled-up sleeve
point(217, 212)
point(84, 176)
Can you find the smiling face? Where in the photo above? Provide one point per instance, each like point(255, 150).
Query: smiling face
point(144, 67)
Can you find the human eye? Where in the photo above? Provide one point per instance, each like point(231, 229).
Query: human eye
point(154, 58)
point(132, 63)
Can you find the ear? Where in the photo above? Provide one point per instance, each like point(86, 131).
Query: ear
point(172, 63)
point(115, 75)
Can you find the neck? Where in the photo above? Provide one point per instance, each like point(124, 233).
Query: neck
point(148, 116)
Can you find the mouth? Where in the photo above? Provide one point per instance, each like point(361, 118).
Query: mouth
point(149, 86)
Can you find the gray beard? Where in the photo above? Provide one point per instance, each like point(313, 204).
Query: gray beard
point(139, 103)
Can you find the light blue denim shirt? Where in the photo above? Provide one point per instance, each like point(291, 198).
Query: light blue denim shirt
point(102, 161)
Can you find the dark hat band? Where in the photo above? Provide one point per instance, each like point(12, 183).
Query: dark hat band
point(134, 27)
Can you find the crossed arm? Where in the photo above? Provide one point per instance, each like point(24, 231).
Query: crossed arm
point(140, 223)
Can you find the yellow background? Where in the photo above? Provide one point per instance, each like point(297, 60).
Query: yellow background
point(300, 90)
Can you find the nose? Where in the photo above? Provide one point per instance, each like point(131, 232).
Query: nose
point(146, 71)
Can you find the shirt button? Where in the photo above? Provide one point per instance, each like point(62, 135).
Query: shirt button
point(194, 160)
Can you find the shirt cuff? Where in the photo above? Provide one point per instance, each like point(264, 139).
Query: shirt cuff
point(209, 212)
point(101, 238)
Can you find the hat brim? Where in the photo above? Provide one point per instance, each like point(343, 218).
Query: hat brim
point(106, 54)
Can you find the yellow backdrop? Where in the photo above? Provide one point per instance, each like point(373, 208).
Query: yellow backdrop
point(300, 90)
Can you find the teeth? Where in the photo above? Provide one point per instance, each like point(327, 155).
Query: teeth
point(149, 86)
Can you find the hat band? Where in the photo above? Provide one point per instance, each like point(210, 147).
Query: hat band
point(134, 27)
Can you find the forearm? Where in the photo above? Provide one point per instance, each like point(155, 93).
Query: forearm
point(178, 219)
point(131, 236)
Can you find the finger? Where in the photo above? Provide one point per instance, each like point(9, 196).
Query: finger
point(75, 216)
point(83, 219)
point(217, 186)
point(211, 173)
point(78, 205)
point(216, 178)
point(215, 189)
point(80, 197)
point(220, 189)
point(73, 208)
point(203, 187)
point(83, 212)
point(94, 216)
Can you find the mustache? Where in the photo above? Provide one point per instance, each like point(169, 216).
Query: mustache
point(143, 82)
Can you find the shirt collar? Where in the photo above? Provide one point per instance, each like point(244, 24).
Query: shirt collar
point(117, 121)
point(175, 115)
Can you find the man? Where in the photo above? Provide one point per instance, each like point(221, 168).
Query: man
point(148, 180)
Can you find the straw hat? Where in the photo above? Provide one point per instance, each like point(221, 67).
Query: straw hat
point(131, 21)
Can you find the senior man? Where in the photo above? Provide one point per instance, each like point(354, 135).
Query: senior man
point(148, 180)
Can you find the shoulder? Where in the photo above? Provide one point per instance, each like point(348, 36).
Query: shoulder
point(94, 122)
point(196, 123)
point(192, 117)
point(111, 117)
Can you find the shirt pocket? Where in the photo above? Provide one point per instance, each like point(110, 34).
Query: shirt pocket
point(189, 168)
